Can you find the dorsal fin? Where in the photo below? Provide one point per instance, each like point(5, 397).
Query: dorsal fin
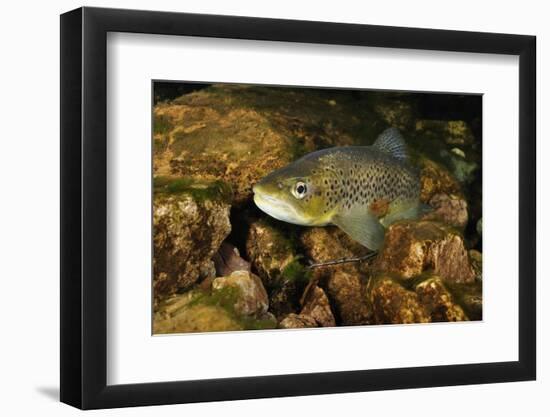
point(391, 142)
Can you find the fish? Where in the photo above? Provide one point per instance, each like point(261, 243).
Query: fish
point(360, 189)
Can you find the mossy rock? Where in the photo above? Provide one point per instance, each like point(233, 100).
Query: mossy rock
point(239, 134)
point(180, 314)
point(190, 221)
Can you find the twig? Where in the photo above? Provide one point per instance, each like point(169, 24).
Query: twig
point(366, 257)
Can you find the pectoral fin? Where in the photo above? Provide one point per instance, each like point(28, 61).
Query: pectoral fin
point(363, 226)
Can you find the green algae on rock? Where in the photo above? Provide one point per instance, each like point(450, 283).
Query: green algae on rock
point(235, 302)
point(274, 257)
point(190, 221)
point(179, 314)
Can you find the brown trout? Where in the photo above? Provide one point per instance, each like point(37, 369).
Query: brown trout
point(360, 189)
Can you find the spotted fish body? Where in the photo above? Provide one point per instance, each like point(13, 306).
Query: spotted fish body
point(361, 189)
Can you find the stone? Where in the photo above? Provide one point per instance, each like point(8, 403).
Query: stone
point(450, 209)
point(228, 259)
point(252, 298)
point(412, 247)
point(179, 314)
point(438, 301)
point(297, 321)
point(436, 179)
point(453, 132)
point(317, 306)
point(316, 311)
point(190, 221)
point(269, 251)
point(347, 291)
point(274, 258)
point(345, 284)
point(394, 304)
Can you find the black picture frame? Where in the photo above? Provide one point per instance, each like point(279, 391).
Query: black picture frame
point(84, 207)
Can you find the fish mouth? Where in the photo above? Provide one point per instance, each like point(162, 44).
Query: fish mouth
point(277, 208)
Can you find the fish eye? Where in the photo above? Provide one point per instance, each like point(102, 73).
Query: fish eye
point(300, 189)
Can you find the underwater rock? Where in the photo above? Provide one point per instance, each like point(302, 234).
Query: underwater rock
point(470, 298)
point(190, 221)
point(395, 112)
point(449, 209)
point(269, 251)
point(239, 133)
point(394, 304)
point(479, 226)
point(412, 247)
point(347, 290)
point(228, 259)
point(438, 301)
point(180, 314)
point(316, 311)
point(322, 244)
point(436, 179)
point(477, 263)
point(297, 321)
point(252, 297)
point(453, 132)
point(344, 283)
point(274, 258)
point(317, 306)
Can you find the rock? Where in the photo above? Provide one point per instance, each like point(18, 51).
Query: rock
point(322, 244)
point(239, 133)
point(317, 306)
point(477, 263)
point(180, 314)
point(436, 299)
point(347, 291)
point(436, 179)
point(479, 226)
point(252, 298)
point(235, 302)
point(316, 311)
point(190, 221)
point(453, 132)
point(228, 259)
point(470, 298)
point(449, 209)
point(297, 321)
point(394, 111)
point(393, 304)
point(273, 257)
point(343, 283)
point(412, 247)
point(269, 251)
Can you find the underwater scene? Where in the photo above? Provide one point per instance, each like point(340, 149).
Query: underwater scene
point(292, 207)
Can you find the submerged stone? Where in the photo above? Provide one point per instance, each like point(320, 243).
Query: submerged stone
point(252, 297)
point(316, 311)
point(412, 247)
point(438, 301)
point(394, 304)
point(345, 284)
point(188, 228)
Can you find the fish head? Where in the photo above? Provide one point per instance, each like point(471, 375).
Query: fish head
point(293, 194)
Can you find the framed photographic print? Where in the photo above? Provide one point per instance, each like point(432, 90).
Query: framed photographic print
point(257, 208)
